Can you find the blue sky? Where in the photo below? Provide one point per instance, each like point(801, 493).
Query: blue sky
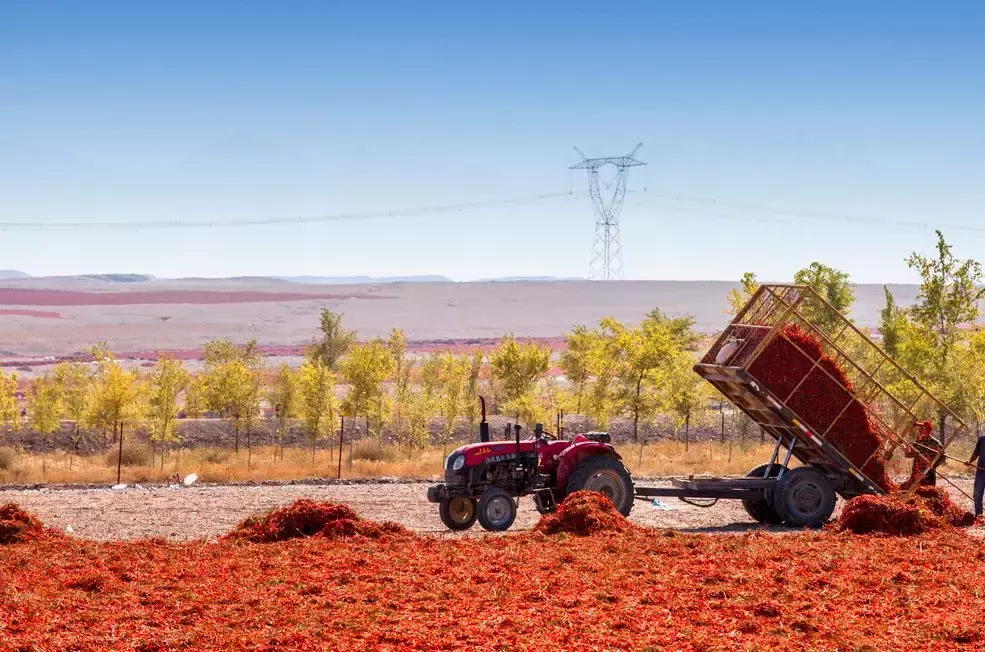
point(214, 111)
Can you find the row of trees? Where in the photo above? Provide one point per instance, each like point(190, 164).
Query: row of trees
point(613, 370)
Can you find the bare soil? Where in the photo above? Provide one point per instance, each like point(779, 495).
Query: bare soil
point(199, 512)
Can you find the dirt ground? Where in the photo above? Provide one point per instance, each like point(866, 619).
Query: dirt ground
point(196, 512)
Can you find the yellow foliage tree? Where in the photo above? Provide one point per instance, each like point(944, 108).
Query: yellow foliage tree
point(167, 381)
point(9, 410)
point(366, 368)
point(516, 370)
point(45, 409)
point(285, 397)
point(231, 385)
point(317, 403)
point(115, 401)
point(75, 380)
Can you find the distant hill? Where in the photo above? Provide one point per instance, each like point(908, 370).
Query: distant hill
point(362, 280)
point(117, 278)
point(12, 274)
point(529, 279)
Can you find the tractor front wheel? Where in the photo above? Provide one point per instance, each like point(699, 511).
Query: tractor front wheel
point(497, 510)
point(457, 513)
point(606, 475)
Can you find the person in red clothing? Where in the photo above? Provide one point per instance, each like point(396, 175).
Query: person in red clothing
point(927, 447)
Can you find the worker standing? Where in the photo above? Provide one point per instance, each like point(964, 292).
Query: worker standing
point(976, 461)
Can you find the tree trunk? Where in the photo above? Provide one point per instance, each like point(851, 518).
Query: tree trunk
point(249, 448)
point(236, 435)
point(721, 411)
point(312, 451)
point(941, 426)
point(119, 455)
point(687, 432)
point(44, 461)
point(636, 409)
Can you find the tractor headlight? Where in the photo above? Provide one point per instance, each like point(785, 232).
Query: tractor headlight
point(458, 463)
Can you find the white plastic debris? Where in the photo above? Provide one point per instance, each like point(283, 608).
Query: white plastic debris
point(119, 486)
point(190, 479)
point(656, 504)
point(68, 529)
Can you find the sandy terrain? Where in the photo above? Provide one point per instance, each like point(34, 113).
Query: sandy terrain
point(281, 313)
point(206, 511)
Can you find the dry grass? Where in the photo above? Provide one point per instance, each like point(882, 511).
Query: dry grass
point(665, 458)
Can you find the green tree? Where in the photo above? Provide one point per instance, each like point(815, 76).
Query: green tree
point(317, 402)
point(739, 297)
point(335, 341)
point(576, 361)
point(834, 286)
point(167, 381)
point(949, 293)
point(642, 356)
point(9, 410)
point(472, 405)
point(45, 409)
point(231, 383)
point(685, 392)
point(284, 395)
point(680, 329)
point(195, 397)
point(451, 394)
point(516, 369)
point(892, 320)
point(602, 398)
point(75, 380)
point(366, 368)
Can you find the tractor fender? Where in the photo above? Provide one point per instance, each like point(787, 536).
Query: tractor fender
point(571, 456)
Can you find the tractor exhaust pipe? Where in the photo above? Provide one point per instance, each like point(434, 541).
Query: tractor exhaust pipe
point(484, 426)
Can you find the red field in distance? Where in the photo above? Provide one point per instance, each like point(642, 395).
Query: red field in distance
point(30, 297)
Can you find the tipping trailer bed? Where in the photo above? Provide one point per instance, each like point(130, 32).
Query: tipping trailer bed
point(892, 399)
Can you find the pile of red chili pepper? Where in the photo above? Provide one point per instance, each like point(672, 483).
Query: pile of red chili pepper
point(16, 525)
point(635, 589)
point(899, 513)
point(584, 513)
point(307, 518)
point(822, 396)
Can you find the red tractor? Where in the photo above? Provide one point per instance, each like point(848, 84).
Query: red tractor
point(484, 480)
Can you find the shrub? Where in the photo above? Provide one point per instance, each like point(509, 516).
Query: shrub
point(134, 454)
point(8, 458)
point(369, 449)
point(214, 455)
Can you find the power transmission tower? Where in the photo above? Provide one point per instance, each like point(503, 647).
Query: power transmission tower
point(606, 261)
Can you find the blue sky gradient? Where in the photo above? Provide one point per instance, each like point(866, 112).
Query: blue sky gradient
point(214, 111)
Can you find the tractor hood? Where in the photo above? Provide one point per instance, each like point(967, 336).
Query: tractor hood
point(480, 452)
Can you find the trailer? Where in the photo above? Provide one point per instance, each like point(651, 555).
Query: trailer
point(799, 484)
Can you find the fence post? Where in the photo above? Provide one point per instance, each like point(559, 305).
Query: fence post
point(341, 435)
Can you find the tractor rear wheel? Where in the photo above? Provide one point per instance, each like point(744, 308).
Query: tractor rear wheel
point(606, 475)
point(804, 497)
point(497, 510)
point(457, 513)
point(761, 509)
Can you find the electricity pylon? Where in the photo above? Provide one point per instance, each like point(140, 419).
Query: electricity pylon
point(606, 263)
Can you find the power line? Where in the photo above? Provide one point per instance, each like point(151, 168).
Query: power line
point(339, 217)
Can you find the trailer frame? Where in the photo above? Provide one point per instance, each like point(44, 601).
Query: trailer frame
point(892, 397)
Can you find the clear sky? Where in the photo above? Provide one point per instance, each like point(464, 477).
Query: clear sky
point(197, 111)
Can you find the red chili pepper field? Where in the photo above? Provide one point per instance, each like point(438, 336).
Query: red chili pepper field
point(337, 589)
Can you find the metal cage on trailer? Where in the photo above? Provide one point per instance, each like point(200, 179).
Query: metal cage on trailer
point(891, 397)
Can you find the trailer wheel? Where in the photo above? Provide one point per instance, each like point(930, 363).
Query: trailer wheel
point(497, 510)
point(457, 513)
point(804, 497)
point(761, 509)
point(606, 475)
